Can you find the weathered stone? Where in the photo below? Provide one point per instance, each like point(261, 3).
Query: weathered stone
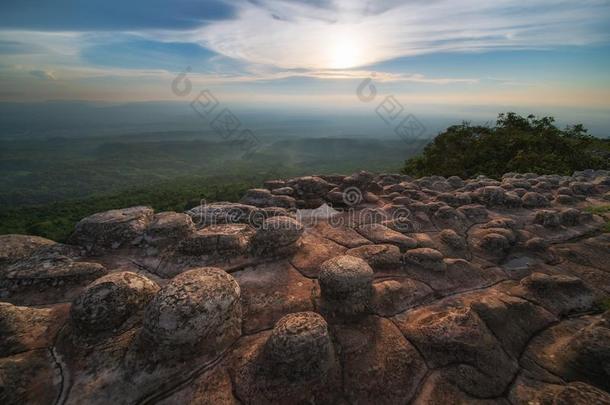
point(381, 234)
point(283, 191)
point(346, 285)
point(274, 184)
point(547, 218)
point(309, 187)
point(276, 233)
point(534, 200)
point(559, 294)
point(582, 188)
point(458, 340)
point(108, 302)
point(494, 243)
point(258, 197)
point(379, 365)
point(198, 310)
point(426, 258)
point(566, 200)
point(14, 247)
point(222, 213)
point(455, 182)
point(218, 239)
point(570, 217)
point(112, 229)
point(47, 276)
point(26, 328)
point(377, 256)
point(299, 347)
point(451, 238)
point(506, 310)
point(491, 196)
point(474, 212)
point(168, 228)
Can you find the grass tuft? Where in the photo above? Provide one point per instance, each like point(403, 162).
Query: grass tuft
point(599, 210)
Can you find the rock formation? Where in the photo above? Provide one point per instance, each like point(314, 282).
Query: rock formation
point(408, 290)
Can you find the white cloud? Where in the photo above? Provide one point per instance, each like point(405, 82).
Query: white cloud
point(351, 34)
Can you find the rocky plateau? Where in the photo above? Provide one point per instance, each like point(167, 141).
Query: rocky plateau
point(360, 289)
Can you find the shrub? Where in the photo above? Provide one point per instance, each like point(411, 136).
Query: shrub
point(514, 144)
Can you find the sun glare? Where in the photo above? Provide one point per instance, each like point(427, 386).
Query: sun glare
point(344, 50)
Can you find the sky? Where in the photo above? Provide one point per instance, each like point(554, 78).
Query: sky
point(432, 55)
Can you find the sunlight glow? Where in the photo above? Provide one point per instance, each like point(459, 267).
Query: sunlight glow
point(344, 51)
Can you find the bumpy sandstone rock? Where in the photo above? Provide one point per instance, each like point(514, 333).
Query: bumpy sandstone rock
point(579, 393)
point(457, 340)
point(534, 200)
point(491, 196)
point(259, 197)
point(474, 212)
point(346, 285)
point(29, 378)
point(274, 184)
point(548, 218)
point(426, 258)
point(377, 256)
point(536, 244)
point(482, 293)
point(526, 390)
point(108, 302)
point(295, 363)
point(168, 228)
point(361, 180)
point(289, 191)
point(299, 347)
point(448, 217)
point(513, 320)
point(582, 188)
point(585, 355)
point(379, 365)
point(14, 247)
point(25, 328)
point(455, 182)
point(199, 309)
point(381, 234)
point(570, 217)
point(228, 239)
point(47, 276)
point(276, 233)
point(310, 187)
point(451, 238)
point(112, 229)
point(558, 294)
point(494, 243)
point(222, 213)
point(455, 199)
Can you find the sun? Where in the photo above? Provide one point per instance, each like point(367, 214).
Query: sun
point(344, 51)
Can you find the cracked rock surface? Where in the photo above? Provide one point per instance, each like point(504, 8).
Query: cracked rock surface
point(360, 289)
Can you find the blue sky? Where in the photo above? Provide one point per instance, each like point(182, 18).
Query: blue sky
point(549, 55)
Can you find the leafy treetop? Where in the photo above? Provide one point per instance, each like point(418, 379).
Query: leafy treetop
point(514, 144)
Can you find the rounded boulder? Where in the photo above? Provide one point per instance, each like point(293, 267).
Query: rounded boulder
point(277, 232)
point(300, 347)
point(346, 284)
point(200, 307)
point(108, 302)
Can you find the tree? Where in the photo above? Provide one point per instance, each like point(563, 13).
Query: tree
point(514, 144)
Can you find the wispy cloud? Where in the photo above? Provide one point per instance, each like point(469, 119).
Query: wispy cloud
point(288, 47)
point(351, 34)
point(43, 74)
point(335, 74)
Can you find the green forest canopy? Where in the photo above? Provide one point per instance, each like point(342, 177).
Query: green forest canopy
point(514, 144)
